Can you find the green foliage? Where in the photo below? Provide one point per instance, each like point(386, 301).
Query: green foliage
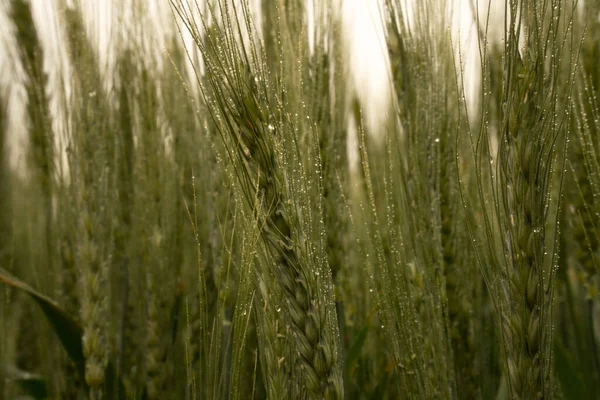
point(34, 385)
point(211, 238)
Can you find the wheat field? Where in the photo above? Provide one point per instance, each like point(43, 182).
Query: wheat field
point(268, 200)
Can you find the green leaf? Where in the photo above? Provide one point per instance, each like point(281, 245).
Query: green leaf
point(113, 384)
point(69, 332)
point(502, 393)
point(175, 312)
point(33, 384)
point(381, 388)
point(355, 348)
point(67, 329)
point(569, 377)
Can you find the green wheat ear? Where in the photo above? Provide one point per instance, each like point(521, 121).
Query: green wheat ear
point(317, 359)
point(521, 223)
point(91, 193)
point(253, 134)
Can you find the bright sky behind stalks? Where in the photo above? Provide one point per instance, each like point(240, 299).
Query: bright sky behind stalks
point(152, 29)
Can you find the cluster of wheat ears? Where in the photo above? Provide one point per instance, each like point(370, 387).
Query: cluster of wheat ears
point(208, 237)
